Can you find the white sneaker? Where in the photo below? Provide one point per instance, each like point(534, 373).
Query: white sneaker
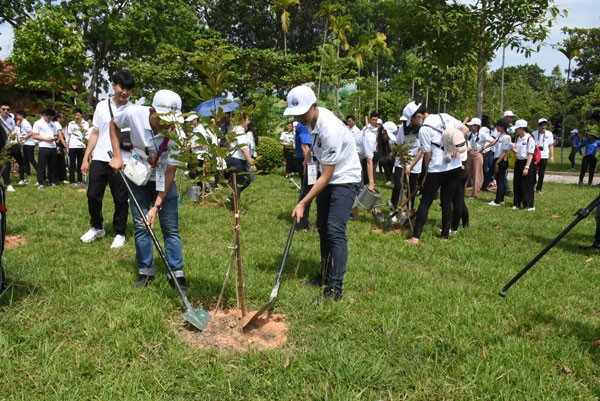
point(40, 187)
point(118, 242)
point(23, 182)
point(92, 235)
point(531, 209)
point(10, 188)
point(492, 203)
point(515, 208)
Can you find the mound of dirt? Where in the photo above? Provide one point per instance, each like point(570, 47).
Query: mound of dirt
point(12, 241)
point(225, 332)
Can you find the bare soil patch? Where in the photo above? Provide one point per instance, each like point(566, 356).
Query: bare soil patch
point(225, 332)
point(12, 241)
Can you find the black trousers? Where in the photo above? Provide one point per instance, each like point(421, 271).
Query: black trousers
point(588, 164)
point(29, 158)
point(398, 186)
point(541, 172)
point(75, 160)
point(46, 160)
point(13, 152)
point(459, 206)
point(501, 182)
point(448, 181)
point(524, 195)
point(100, 175)
point(61, 165)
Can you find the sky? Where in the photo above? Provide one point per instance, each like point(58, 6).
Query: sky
point(581, 14)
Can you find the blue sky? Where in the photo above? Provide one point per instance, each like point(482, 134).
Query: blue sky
point(581, 14)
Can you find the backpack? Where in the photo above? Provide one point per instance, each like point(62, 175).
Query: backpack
point(453, 141)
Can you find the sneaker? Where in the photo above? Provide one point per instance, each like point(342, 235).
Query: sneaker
point(118, 242)
point(388, 183)
point(330, 294)
point(540, 192)
point(515, 208)
point(492, 203)
point(509, 194)
point(181, 281)
point(143, 280)
point(92, 234)
point(10, 188)
point(41, 187)
point(23, 182)
point(531, 209)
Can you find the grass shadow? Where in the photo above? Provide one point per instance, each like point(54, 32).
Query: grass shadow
point(17, 291)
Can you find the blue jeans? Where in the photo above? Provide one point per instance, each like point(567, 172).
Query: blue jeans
point(334, 204)
point(169, 225)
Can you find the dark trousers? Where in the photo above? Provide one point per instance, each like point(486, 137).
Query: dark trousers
point(524, 195)
point(398, 186)
point(501, 182)
point(572, 156)
point(242, 176)
point(365, 176)
point(459, 206)
point(46, 160)
point(304, 189)
point(588, 164)
point(100, 175)
point(29, 158)
point(75, 160)
point(448, 182)
point(288, 154)
point(61, 165)
point(541, 172)
point(333, 211)
point(489, 172)
point(388, 168)
point(415, 180)
point(13, 152)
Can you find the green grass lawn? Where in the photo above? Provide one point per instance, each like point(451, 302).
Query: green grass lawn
point(416, 323)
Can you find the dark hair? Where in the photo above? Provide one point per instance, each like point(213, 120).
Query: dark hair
point(49, 113)
point(21, 113)
point(254, 133)
point(124, 78)
point(421, 110)
point(350, 116)
point(502, 123)
point(77, 110)
point(4, 103)
point(89, 117)
point(375, 114)
point(383, 146)
point(486, 121)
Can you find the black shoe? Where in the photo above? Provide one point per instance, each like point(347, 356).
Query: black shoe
point(594, 247)
point(143, 280)
point(330, 294)
point(181, 281)
point(509, 193)
point(316, 281)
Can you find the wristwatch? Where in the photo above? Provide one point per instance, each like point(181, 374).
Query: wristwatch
point(157, 206)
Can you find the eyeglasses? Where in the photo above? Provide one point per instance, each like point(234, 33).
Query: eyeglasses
point(6, 109)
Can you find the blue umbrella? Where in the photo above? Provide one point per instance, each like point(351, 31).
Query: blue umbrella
point(210, 107)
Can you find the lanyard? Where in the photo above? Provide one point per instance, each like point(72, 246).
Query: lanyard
point(159, 150)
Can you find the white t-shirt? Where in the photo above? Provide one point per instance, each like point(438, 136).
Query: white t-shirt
point(209, 137)
point(9, 123)
point(252, 144)
point(26, 128)
point(524, 146)
point(287, 138)
point(479, 140)
point(504, 143)
point(366, 142)
point(136, 118)
point(240, 139)
point(75, 134)
point(333, 146)
point(544, 142)
point(413, 141)
point(101, 123)
point(46, 130)
point(490, 138)
point(431, 141)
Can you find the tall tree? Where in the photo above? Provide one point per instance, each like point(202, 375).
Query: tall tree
point(379, 47)
point(282, 6)
point(327, 12)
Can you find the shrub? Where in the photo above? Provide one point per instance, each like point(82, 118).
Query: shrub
point(270, 154)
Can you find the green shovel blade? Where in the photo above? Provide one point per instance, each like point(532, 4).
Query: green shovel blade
point(198, 318)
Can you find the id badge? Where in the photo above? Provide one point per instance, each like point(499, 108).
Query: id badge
point(311, 171)
point(160, 178)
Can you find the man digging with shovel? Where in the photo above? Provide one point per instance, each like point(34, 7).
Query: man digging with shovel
point(335, 188)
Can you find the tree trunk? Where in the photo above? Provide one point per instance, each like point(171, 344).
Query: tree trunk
point(285, 44)
point(564, 116)
point(502, 79)
point(377, 84)
point(481, 63)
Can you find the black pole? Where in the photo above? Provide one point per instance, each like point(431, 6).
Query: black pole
point(581, 214)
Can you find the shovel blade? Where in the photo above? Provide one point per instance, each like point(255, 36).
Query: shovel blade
point(198, 318)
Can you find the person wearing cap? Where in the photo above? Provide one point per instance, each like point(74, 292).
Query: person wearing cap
point(95, 164)
point(440, 174)
point(509, 116)
point(335, 189)
point(544, 139)
point(366, 146)
point(240, 159)
point(286, 139)
point(150, 130)
point(386, 137)
point(199, 148)
point(477, 140)
point(413, 168)
point(525, 168)
point(589, 161)
point(575, 141)
point(501, 151)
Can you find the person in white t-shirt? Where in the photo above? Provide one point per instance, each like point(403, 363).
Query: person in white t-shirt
point(240, 159)
point(76, 130)
point(286, 139)
point(366, 146)
point(478, 140)
point(544, 139)
point(99, 170)
point(351, 126)
point(158, 197)
point(501, 151)
point(525, 168)
point(44, 131)
point(29, 145)
point(13, 147)
point(200, 138)
point(335, 189)
point(439, 173)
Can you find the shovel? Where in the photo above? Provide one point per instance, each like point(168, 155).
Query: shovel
point(198, 318)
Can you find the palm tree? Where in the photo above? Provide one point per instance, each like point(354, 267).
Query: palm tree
point(282, 6)
point(327, 12)
point(379, 46)
point(359, 53)
point(571, 48)
point(339, 27)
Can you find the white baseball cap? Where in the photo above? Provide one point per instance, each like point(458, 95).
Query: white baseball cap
point(475, 121)
point(299, 99)
point(509, 113)
point(575, 131)
point(391, 129)
point(191, 117)
point(403, 118)
point(520, 124)
point(542, 121)
point(409, 110)
point(167, 105)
